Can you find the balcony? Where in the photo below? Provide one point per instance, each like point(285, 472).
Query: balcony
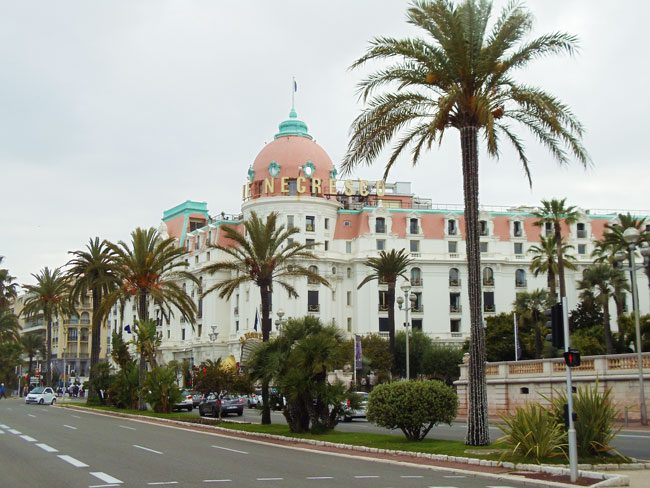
point(382, 307)
point(455, 308)
point(454, 281)
point(520, 284)
point(417, 282)
point(581, 234)
point(309, 227)
point(489, 308)
point(417, 309)
point(380, 229)
point(415, 254)
point(313, 308)
point(488, 282)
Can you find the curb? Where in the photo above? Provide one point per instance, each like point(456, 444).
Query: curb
point(584, 470)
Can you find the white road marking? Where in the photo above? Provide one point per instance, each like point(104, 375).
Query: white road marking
point(455, 476)
point(69, 427)
point(31, 415)
point(28, 438)
point(47, 448)
point(106, 478)
point(14, 431)
point(163, 483)
point(365, 476)
point(3, 426)
point(102, 486)
point(320, 477)
point(216, 481)
point(77, 417)
point(2, 431)
point(75, 462)
point(231, 450)
point(619, 435)
point(498, 486)
point(125, 427)
point(146, 449)
point(269, 479)
point(412, 476)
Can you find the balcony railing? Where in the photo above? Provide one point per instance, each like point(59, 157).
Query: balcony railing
point(455, 308)
point(520, 284)
point(414, 230)
point(488, 282)
point(313, 308)
point(417, 282)
point(418, 309)
point(454, 281)
point(309, 227)
point(489, 308)
point(380, 229)
point(582, 234)
point(382, 307)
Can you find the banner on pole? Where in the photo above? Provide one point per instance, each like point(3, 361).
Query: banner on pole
point(358, 363)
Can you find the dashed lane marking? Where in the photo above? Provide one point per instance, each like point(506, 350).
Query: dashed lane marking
point(47, 448)
point(231, 450)
point(14, 431)
point(76, 416)
point(454, 476)
point(163, 483)
point(75, 462)
point(147, 449)
point(216, 481)
point(69, 427)
point(269, 479)
point(31, 415)
point(28, 438)
point(3, 426)
point(412, 476)
point(366, 476)
point(320, 477)
point(125, 427)
point(106, 478)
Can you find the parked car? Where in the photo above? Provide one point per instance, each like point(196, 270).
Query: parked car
point(212, 404)
point(254, 399)
point(196, 397)
point(359, 412)
point(41, 395)
point(186, 402)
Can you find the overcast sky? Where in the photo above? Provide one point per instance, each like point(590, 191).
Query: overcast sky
point(112, 112)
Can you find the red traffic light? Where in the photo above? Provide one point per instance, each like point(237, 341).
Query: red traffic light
point(572, 358)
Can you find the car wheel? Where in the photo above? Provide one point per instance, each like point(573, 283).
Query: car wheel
point(53, 401)
point(189, 409)
point(41, 401)
point(347, 419)
point(201, 413)
point(240, 412)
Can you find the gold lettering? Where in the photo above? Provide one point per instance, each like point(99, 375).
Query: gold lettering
point(285, 184)
point(269, 185)
point(381, 188)
point(349, 190)
point(315, 186)
point(363, 188)
point(301, 184)
point(332, 187)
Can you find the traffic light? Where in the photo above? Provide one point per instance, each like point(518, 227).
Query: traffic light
point(556, 325)
point(572, 358)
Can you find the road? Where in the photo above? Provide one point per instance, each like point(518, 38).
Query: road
point(57, 447)
point(630, 442)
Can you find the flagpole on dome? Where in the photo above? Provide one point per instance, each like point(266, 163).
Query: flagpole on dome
point(294, 89)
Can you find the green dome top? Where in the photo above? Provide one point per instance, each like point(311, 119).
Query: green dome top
point(293, 127)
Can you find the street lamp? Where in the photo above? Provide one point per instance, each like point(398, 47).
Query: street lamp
point(280, 320)
point(631, 236)
point(214, 334)
point(406, 288)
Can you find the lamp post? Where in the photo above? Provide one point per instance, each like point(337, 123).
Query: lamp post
point(214, 334)
point(631, 236)
point(280, 320)
point(406, 288)
point(65, 346)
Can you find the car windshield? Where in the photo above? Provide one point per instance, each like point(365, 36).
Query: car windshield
point(37, 390)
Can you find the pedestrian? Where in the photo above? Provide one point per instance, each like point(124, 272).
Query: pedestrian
point(2, 391)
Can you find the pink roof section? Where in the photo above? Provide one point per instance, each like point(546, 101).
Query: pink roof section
point(175, 225)
point(501, 227)
point(598, 228)
point(433, 226)
point(358, 225)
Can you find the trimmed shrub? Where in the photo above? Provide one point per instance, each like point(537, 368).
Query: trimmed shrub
point(161, 391)
point(414, 407)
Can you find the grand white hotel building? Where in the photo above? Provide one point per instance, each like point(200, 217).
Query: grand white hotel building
point(352, 220)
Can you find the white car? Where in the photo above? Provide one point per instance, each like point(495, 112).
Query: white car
point(41, 395)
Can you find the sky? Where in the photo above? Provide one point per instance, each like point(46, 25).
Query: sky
point(112, 112)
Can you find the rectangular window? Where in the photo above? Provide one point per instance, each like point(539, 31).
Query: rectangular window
point(415, 246)
point(582, 231)
point(454, 302)
point(168, 333)
point(516, 229)
point(326, 245)
point(414, 228)
point(236, 325)
point(348, 247)
point(349, 272)
point(289, 221)
point(488, 301)
point(326, 224)
point(454, 326)
point(483, 227)
point(380, 225)
point(452, 246)
point(417, 305)
point(333, 295)
point(312, 301)
point(519, 247)
point(484, 246)
point(72, 334)
point(310, 223)
point(207, 256)
point(383, 324)
point(196, 260)
point(381, 244)
point(310, 243)
point(383, 301)
point(582, 249)
point(452, 230)
point(182, 334)
point(348, 298)
point(548, 229)
point(416, 324)
point(349, 324)
point(293, 187)
point(199, 330)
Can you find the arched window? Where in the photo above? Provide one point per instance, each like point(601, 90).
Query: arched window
point(416, 277)
point(454, 277)
point(488, 277)
point(312, 281)
point(85, 318)
point(520, 278)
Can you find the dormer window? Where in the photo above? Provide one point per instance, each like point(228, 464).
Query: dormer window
point(380, 225)
point(581, 230)
point(310, 223)
point(414, 227)
point(452, 229)
point(548, 229)
point(483, 227)
point(517, 230)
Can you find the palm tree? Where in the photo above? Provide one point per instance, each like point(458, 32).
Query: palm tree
point(530, 306)
point(7, 287)
point(545, 261)
point(261, 253)
point(601, 282)
point(386, 269)
point(9, 326)
point(146, 340)
point(49, 296)
point(555, 211)
point(33, 344)
point(93, 271)
point(148, 270)
point(460, 76)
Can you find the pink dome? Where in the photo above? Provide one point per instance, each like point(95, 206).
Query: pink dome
point(291, 153)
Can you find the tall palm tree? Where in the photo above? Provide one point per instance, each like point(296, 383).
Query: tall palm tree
point(460, 76)
point(93, 271)
point(601, 282)
point(530, 306)
point(545, 261)
point(9, 326)
point(146, 340)
point(33, 344)
point(149, 270)
point(7, 286)
point(261, 253)
point(387, 267)
point(49, 296)
point(555, 212)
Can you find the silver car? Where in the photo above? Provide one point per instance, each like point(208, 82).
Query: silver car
point(356, 413)
point(41, 395)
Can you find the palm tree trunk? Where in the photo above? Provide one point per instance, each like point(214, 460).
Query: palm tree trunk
point(560, 259)
point(477, 415)
point(48, 349)
point(390, 297)
point(266, 332)
point(609, 343)
point(551, 283)
point(95, 345)
point(143, 314)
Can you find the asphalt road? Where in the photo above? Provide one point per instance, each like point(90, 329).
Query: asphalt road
point(56, 447)
point(630, 442)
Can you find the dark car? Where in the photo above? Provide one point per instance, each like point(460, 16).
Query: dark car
point(212, 404)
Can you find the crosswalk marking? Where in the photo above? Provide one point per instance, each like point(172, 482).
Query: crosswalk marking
point(106, 478)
